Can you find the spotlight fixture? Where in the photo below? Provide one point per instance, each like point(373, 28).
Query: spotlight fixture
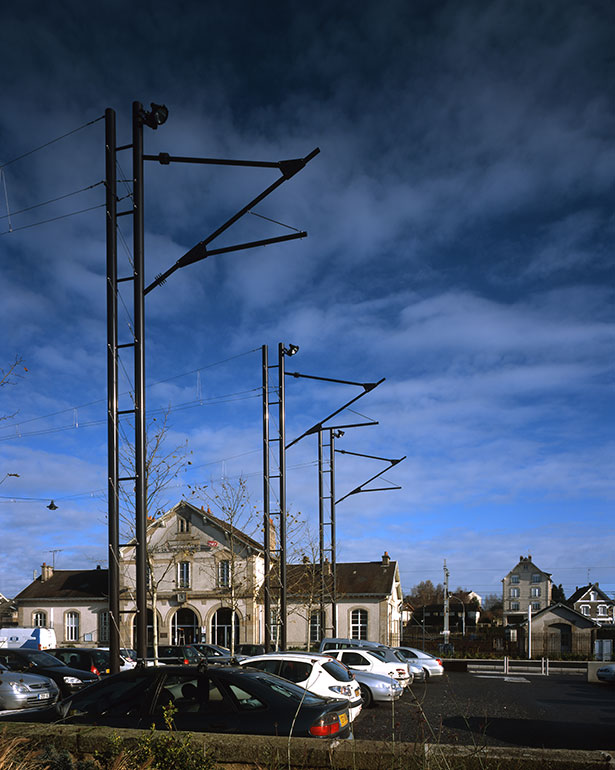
point(338, 433)
point(290, 350)
point(156, 117)
point(52, 506)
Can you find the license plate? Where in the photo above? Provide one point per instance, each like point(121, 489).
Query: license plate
point(343, 720)
point(43, 695)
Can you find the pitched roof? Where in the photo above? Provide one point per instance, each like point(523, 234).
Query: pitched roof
point(560, 609)
point(580, 593)
point(68, 584)
point(371, 578)
point(184, 507)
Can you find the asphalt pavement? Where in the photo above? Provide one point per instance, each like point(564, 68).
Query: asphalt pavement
point(560, 712)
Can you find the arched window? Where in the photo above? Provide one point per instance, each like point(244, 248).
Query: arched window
point(39, 619)
point(71, 627)
point(185, 627)
point(222, 624)
point(358, 624)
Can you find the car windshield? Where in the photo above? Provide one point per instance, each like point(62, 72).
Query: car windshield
point(36, 658)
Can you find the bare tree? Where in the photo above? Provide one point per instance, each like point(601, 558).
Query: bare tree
point(162, 468)
point(234, 577)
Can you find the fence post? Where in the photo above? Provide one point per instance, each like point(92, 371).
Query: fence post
point(506, 664)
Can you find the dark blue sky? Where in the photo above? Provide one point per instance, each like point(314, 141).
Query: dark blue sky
point(460, 245)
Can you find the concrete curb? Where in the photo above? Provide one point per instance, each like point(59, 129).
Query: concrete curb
point(254, 752)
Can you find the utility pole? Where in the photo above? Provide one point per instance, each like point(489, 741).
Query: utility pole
point(446, 632)
point(287, 168)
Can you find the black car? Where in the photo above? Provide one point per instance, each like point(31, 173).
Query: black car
point(220, 699)
point(69, 680)
point(250, 649)
point(90, 659)
point(214, 653)
point(175, 654)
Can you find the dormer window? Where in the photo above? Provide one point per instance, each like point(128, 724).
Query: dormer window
point(593, 597)
point(183, 525)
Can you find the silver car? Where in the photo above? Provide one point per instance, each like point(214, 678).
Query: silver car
point(376, 688)
point(25, 691)
point(431, 665)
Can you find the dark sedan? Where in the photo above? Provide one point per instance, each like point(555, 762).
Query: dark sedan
point(223, 699)
point(69, 680)
point(91, 659)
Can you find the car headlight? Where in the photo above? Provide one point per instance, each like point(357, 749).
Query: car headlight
point(72, 680)
point(19, 687)
point(341, 689)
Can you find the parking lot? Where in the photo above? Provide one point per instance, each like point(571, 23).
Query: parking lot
point(497, 710)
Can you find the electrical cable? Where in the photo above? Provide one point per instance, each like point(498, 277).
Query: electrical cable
point(51, 200)
point(52, 141)
point(53, 219)
point(151, 385)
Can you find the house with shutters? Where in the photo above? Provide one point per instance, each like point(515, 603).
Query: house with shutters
point(592, 602)
point(525, 587)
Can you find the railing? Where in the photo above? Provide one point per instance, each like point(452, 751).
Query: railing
point(539, 666)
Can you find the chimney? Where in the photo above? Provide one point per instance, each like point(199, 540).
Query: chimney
point(46, 572)
point(386, 559)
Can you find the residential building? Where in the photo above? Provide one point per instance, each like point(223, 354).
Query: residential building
point(594, 603)
point(525, 586)
point(368, 602)
point(72, 602)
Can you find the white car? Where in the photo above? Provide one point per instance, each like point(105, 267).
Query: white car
point(320, 674)
point(431, 665)
point(376, 660)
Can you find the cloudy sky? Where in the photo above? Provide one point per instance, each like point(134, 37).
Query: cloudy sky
point(460, 245)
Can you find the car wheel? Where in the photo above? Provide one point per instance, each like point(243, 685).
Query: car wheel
point(411, 680)
point(366, 694)
point(427, 674)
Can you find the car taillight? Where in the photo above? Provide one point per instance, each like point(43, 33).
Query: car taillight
point(326, 725)
point(438, 661)
point(94, 670)
point(186, 661)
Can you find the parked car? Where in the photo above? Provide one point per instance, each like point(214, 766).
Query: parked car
point(91, 659)
point(25, 691)
point(320, 674)
point(376, 688)
point(125, 662)
point(68, 680)
point(390, 654)
point(215, 653)
point(342, 643)
point(376, 661)
point(221, 699)
point(174, 654)
point(250, 649)
point(431, 665)
point(606, 673)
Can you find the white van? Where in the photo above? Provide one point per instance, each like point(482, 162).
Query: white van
point(30, 638)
